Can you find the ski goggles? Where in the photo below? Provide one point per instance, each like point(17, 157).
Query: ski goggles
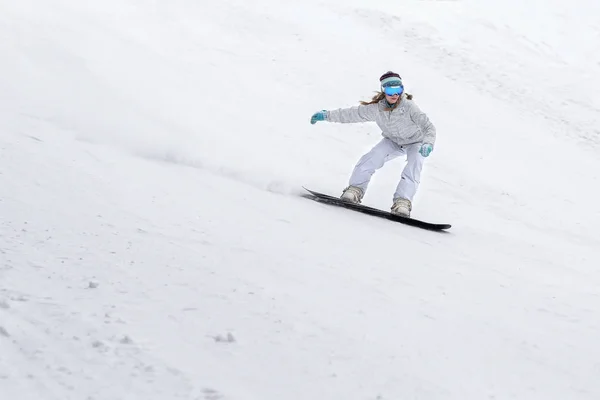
point(393, 88)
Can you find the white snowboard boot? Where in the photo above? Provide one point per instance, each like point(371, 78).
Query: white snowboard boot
point(401, 207)
point(352, 194)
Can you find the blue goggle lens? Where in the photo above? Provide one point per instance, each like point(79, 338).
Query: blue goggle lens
point(392, 90)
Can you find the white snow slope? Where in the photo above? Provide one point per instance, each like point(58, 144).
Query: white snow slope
point(154, 245)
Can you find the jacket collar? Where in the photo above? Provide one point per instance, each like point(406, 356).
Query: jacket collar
point(390, 107)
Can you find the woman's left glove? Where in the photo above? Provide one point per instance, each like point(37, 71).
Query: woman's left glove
point(426, 149)
point(318, 116)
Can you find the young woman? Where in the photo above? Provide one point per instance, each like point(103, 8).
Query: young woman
point(406, 131)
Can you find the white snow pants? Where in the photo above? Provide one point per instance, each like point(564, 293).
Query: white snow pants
point(383, 152)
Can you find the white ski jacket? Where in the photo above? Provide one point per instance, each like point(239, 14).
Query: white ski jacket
point(405, 124)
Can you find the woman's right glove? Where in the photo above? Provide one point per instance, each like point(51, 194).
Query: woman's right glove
point(318, 116)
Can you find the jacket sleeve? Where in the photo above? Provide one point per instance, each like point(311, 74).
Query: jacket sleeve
point(421, 119)
point(361, 113)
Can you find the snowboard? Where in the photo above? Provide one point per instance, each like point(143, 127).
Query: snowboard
point(336, 201)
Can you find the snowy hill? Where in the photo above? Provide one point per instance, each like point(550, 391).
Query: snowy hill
point(153, 243)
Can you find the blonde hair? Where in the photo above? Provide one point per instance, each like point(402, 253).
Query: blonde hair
point(380, 96)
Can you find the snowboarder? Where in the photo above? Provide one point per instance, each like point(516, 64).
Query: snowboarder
point(406, 130)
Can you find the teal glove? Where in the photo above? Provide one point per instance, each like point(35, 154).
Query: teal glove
point(318, 116)
point(426, 149)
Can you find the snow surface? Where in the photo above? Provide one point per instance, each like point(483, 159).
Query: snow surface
point(154, 245)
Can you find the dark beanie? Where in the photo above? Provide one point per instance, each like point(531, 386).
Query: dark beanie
point(389, 74)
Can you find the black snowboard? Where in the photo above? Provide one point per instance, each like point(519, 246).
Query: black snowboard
point(324, 198)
